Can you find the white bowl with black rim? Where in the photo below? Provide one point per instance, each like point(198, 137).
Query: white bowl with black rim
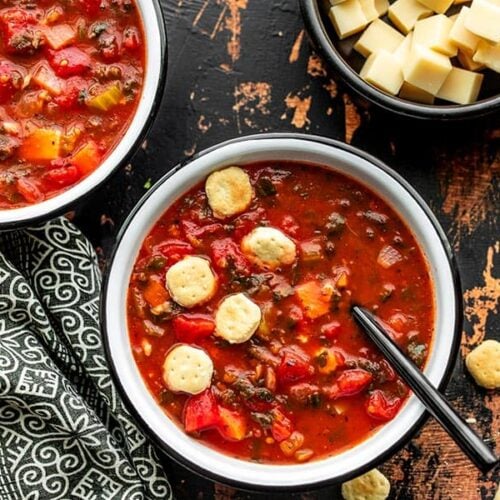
point(153, 85)
point(311, 150)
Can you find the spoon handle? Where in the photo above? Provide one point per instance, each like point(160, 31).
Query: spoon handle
point(472, 445)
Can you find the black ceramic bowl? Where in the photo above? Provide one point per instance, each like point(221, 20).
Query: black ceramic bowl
point(347, 63)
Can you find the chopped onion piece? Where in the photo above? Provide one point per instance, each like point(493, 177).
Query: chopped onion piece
point(388, 256)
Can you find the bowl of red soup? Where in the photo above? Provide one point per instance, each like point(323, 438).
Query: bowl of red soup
point(79, 84)
point(227, 311)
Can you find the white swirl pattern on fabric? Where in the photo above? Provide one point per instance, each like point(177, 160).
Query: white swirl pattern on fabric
point(64, 432)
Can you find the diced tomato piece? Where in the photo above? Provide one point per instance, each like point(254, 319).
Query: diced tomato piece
point(71, 61)
point(289, 225)
point(201, 412)
point(395, 335)
point(349, 383)
point(155, 294)
point(174, 250)
point(29, 190)
point(226, 252)
point(91, 7)
point(11, 80)
point(62, 176)
point(194, 233)
point(379, 407)
point(193, 327)
point(246, 222)
point(295, 365)
point(131, 38)
point(232, 425)
point(400, 322)
point(70, 96)
point(19, 32)
point(331, 330)
point(282, 426)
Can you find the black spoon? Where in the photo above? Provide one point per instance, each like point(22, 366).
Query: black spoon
point(472, 445)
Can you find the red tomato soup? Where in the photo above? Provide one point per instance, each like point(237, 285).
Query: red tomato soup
point(71, 75)
point(308, 383)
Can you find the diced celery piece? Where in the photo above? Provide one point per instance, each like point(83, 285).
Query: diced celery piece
point(107, 99)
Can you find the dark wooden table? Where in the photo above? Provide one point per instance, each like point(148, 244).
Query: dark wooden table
point(239, 67)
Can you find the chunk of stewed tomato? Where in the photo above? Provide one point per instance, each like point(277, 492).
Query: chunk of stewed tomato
point(19, 31)
point(91, 7)
point(193, 327)
point(195, 233)
point(65, 175)
point(71, 61)
point(201, 412)
point(349, 383)
point(295, 365)
point(380, 407)
point(73, 93)
point(248, 221)
point(331, 330)
point(11, 80)
point(29, 190)
point(226, 253)
point(174, 250)
point(281, 427)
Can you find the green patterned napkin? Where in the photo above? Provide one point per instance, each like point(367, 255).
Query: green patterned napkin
point(64, 432)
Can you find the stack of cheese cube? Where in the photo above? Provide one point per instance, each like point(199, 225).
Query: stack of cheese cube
point(414, 58)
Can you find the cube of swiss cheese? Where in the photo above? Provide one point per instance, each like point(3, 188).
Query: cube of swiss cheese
point(383, 70)
point(439, 6)
point(461, 86)
point(412, 93)
point(403, 51)
point(426, 69)
point(378, 36)
point(434, 32)
point(488, 54)
point(348, 18)
point(483, 20)
point(373, 9)
point(405, 13)
point(460, 35)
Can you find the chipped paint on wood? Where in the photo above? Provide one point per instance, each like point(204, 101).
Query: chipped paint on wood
point(233, 25)
point(300, 107)
point(250, 98)
point(352, 118)
point(295, 52)
point(315, 66)
point(481, 301)
point(468, 189)
point(203, 124)
point(331, 88)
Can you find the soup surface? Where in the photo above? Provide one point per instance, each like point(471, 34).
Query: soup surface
point(71, 75)
point(306, 383)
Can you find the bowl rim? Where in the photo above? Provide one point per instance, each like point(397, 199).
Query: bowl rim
point(23, 216)
point(403, 439)
point(324, 44)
